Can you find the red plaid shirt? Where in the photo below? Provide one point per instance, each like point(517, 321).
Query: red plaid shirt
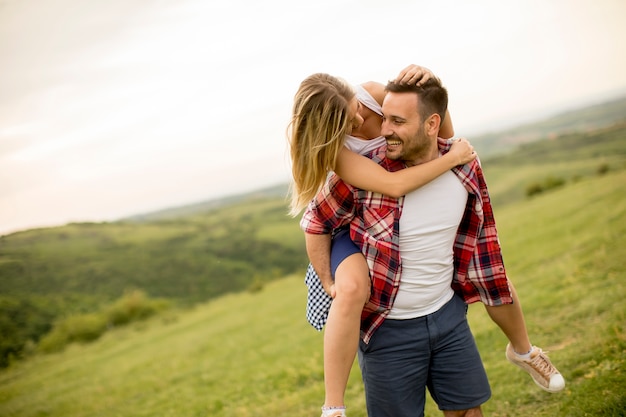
point(375, 225)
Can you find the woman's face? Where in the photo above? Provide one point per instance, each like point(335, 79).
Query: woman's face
point(354, 113)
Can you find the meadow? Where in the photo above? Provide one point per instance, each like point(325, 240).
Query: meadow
point(252, 353)
point(64, 273)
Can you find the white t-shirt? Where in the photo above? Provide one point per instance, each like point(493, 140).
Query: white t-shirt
point(428, 226)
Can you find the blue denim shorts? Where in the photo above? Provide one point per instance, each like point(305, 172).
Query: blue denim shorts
point(341, 247)
point(437, 351)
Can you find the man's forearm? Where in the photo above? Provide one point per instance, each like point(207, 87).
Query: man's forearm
point(318, 250)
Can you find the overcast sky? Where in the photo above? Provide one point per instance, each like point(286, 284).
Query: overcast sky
point(112, 108)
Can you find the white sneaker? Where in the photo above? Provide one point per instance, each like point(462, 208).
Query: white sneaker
point(539, 367)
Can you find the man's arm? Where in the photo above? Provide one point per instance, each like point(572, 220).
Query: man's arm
point(318, 250)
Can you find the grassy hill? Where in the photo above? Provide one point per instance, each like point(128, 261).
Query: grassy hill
point(249, 355)
point(580, 120)
point(188, 258)
point(47, 275)
point(194, 255)
point(275, 192)
point(565, 158)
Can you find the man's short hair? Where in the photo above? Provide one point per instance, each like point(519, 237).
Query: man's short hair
point(432, 96)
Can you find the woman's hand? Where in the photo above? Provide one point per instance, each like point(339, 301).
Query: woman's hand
point(414, 74)
point(462, 151)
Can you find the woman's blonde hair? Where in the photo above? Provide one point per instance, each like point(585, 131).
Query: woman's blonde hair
point(319, 124)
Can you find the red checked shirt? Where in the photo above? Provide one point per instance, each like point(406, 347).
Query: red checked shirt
point(375, 225)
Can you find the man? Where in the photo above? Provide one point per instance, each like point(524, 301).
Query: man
point(414, 329)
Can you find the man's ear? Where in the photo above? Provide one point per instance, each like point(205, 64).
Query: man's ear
point(432, 124)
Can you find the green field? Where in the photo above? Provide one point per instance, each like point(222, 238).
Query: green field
point(199, 310)
point(254, 354)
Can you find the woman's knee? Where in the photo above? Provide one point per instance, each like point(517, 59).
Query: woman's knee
point(352, 280)
point(353, 286)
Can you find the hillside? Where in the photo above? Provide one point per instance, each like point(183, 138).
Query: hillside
point(47, 274)
point(254, 355)
point(276, 192)
point(581, 120)
point(198, 252)
point(565, 158)
point(191, 258)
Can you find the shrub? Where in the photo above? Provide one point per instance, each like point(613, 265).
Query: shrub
point(553, 182)
point(78, 328)
point(603, 169)
point(547, 184)
point(22, 321)
point(256, 286)
point(134, 305)
point(534, 188)
point(83, 328)
point(54, 341)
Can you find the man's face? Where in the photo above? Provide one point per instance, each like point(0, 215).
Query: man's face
point(404, 130)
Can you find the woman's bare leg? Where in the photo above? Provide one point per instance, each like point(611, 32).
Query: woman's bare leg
point(510, 319)
point(531, 359)
point(341, 337)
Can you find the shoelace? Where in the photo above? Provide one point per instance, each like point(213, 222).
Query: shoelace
point(541, 363)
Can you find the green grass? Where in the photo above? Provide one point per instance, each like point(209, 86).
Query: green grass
point(248, 355)
point(199, 252)
point(564, 252)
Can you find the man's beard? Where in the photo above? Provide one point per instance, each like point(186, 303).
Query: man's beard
point(413, 152)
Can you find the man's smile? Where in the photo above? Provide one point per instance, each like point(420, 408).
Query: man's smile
point(394, 142)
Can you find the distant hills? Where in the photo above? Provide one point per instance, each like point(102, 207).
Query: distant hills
point(276, 191)
point(584, 119)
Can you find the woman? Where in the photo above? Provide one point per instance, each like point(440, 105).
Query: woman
point(328, 119)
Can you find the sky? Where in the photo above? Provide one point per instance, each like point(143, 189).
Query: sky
point(114, 108)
